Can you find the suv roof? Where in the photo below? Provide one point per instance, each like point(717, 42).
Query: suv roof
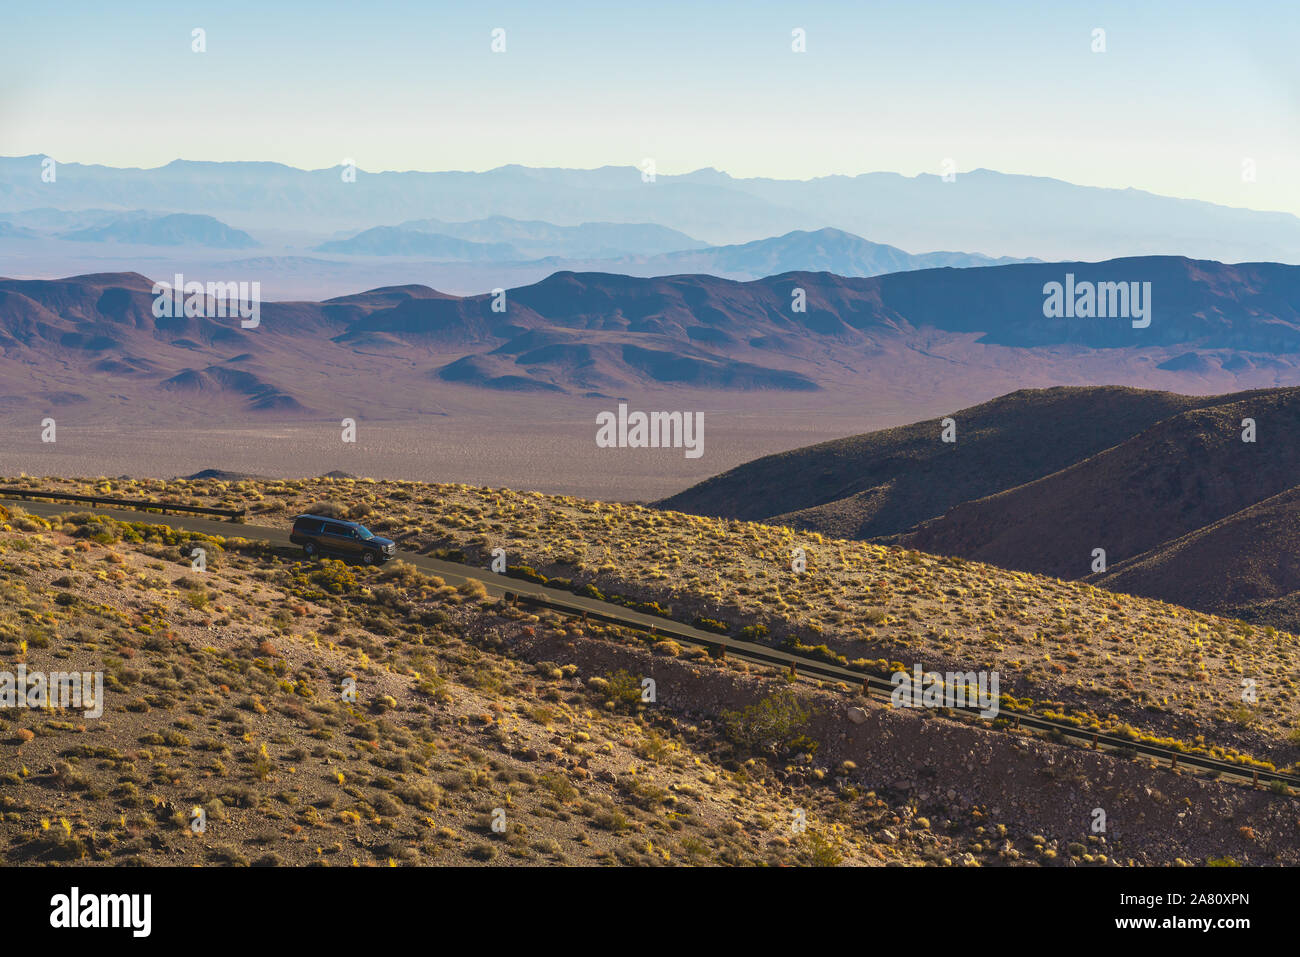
point(326, 518)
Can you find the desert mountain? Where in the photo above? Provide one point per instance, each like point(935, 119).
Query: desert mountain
point(822, 250)
point(594, 332)
point(534, 239)
point(881, 484)
point(617, 248)
point(502, 239)
point(397, 241)
point(173, 229)
point(1185, 472)
point(1247, 565)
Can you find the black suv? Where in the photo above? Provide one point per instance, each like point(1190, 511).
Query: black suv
point(317, 535)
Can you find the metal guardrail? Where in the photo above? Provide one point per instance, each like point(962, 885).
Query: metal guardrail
point(878, 687)
point(164, 507)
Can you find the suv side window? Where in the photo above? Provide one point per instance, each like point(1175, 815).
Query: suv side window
point(309, 526)
point(342, 531)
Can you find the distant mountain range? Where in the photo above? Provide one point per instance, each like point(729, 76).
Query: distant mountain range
point(171, 229)
point(992, 213)
point(136, 227)
point(505, 240)
point(399, 241)
point(47, 218)
point(1185, 510)
point(484, 254)
point(822, 250)
point(522, 240)
point(599, 334)
point(10, 231)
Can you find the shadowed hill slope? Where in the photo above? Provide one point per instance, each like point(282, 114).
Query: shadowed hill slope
point(1186, 472)
point(1246, 560)
point(1185, 510)
point(883, 483)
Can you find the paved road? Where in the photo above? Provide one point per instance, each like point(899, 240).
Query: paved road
point(452, 572)
point(569, 603)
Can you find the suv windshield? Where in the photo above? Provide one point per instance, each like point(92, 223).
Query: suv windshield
point(364, 532)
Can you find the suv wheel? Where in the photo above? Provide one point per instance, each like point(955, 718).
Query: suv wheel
point(310, 549)
point(368, 557)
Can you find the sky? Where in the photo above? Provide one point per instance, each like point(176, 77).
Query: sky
point(1188, 99)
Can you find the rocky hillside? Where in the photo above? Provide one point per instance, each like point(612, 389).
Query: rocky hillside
point(266, 711)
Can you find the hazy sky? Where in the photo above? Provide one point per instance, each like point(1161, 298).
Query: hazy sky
point(1184, 93)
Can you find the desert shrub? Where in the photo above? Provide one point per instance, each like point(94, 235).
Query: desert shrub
point(711, 624)
point(402, 572)
point(624, 689)
point(421, 793)
point(527, 573)
point(473, 588)
point(775, 723)
point(821, 852)
point(561, 787)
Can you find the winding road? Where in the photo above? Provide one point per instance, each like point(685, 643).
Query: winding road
point(567, 603)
